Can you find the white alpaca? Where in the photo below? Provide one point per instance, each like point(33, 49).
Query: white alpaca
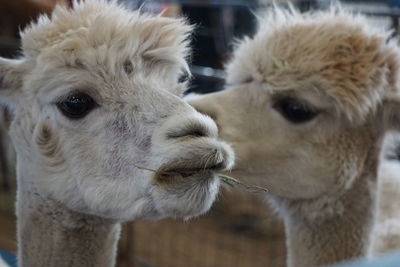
point(310, 99)
point(96, 95)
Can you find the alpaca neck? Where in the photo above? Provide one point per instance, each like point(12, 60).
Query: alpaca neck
point(49, 234)
point(328, 241)
point(386, 233)
point(330, 229)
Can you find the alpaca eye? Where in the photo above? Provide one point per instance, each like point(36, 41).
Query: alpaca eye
point(294, 111)
point(183, 78)
point(76, 106)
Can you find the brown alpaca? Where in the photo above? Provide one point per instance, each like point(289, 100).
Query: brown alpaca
point(310, 98)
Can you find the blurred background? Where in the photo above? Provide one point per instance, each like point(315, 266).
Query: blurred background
point(240, 230)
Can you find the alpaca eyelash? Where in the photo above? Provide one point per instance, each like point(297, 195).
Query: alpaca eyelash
point(294, 110)
point(76, 106)
point(72, 92)
point(183, 78)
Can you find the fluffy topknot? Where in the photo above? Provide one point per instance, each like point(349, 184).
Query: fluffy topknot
point(71, 35)
point(338, 53)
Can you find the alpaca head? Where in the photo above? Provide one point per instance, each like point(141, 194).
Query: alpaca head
point(95, 98)
point(308, 99)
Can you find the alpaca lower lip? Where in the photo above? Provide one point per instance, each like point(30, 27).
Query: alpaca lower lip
point(181, 172)
point(175, 174)
point(188, 171)
point(181, 176)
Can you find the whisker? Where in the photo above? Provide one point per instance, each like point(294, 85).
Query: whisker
point(144, 168)
point(208, 159)
point(234, 182)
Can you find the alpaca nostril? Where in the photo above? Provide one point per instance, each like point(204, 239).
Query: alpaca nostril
point(193, 125)
point(190, 130)
point(219, 166)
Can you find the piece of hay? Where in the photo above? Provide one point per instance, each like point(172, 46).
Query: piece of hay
point(228, 180)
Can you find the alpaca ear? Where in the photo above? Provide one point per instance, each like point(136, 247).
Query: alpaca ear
point(11, 73)
point(170, 44)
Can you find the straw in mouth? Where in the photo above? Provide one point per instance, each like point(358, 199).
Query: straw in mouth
point(228, 180)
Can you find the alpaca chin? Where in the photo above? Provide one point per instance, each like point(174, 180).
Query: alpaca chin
point(189, 199)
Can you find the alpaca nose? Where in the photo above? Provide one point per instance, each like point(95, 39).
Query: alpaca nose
point(194, 126)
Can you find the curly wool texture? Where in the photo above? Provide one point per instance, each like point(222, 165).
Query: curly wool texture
point(341, 56)
point(103, 32)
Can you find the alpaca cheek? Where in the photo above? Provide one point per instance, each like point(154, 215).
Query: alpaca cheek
point(48, 144)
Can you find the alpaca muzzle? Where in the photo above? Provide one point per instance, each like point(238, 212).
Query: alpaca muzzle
point(198, 168)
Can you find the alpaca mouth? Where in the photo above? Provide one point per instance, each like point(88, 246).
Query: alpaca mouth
point(193, 169)
point(176, 175)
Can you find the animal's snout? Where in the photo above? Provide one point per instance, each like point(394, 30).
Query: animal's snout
point(190, 142)
point(190, 129)
point(194, 126)
point(215, 157)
